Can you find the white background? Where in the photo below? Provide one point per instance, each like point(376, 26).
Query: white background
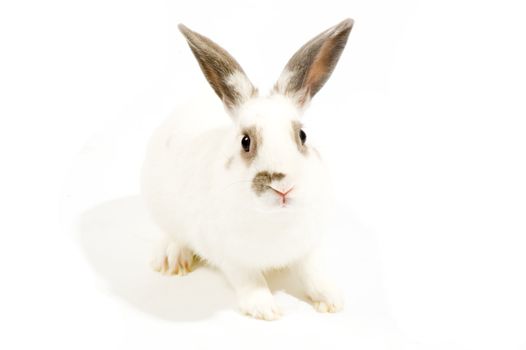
point(422, 124)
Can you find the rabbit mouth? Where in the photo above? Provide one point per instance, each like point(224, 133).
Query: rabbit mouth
point(284, 199)
point(276, 200)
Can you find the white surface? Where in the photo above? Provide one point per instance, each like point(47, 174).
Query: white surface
point(423, 124)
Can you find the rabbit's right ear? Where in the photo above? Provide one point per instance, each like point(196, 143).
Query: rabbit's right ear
point(311, 66)
point(221, 70)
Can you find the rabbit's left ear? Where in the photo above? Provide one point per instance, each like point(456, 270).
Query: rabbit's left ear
point(313, 63)
point(221, 70)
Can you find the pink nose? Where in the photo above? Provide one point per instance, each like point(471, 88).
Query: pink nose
point(283, 195)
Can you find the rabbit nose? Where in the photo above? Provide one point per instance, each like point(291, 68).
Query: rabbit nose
point(282, 195)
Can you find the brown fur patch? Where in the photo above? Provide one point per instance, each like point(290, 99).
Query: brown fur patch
point(229, 162)
point(277, 176)
point(261, 182)
point(263, 179)
point(255, 141)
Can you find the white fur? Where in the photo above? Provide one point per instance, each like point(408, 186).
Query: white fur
point(198, 188)
point(283, 80)
point(300, 98)
point(240, 82)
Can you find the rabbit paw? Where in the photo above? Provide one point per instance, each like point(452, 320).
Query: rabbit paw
point(260, 305)
point(327, 300)
point(172, 258)
point(324, 306)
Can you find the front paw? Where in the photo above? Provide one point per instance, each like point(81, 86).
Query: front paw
point(260, 305)
point(172, 258)
point(327, 299)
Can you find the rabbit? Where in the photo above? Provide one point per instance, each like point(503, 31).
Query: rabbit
point(251, 194)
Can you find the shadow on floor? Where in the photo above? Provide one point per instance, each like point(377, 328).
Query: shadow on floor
point(117, 237)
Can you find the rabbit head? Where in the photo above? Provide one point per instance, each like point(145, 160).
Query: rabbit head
point(267, 147)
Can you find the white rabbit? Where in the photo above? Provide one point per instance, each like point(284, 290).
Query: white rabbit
point(250, 195)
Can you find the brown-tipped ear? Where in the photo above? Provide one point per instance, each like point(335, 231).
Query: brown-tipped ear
point(313, 63)
point(221, 70)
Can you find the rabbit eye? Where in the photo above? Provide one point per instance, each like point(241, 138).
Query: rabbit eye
point(303, 137)
point(245, 143)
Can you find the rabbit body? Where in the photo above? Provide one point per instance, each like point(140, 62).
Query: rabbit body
point(251, 194)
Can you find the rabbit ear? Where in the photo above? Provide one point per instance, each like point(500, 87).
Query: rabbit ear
point(313, 63)
point(221, 70)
